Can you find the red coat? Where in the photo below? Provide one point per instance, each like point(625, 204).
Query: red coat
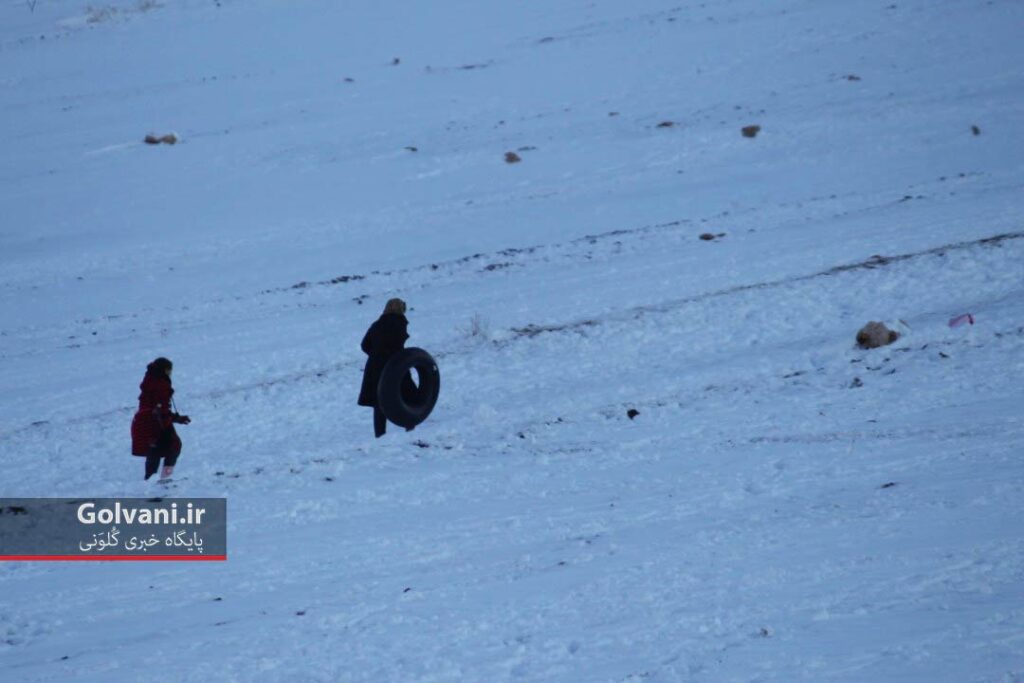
point(153, 425)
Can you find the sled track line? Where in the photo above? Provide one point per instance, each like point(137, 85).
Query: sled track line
point(482, 256)
point(488, 262)
point(493, 260)
point(530, 331)
point(500, 259)
point(637, 312)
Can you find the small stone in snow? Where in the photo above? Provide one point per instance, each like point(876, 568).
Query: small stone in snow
point(169, 139)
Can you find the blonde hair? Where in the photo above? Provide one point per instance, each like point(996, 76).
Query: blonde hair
point(395, 306)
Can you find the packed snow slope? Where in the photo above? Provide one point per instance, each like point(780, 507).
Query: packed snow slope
point(784, 507)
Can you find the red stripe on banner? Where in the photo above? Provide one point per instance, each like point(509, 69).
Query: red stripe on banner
point(114, 558)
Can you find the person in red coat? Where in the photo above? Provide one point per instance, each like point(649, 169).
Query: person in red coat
point(153, 434)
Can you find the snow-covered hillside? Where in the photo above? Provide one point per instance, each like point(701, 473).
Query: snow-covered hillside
point(783, 507)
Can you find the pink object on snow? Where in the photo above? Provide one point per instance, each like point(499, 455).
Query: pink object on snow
point(961, 319)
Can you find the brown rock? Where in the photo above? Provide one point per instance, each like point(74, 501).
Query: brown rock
point(169, 139)
point(512, 158)
point(750, 131)
point(876, 334)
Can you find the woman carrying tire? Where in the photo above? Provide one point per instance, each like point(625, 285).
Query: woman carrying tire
point(385, 338)
point(153, 433)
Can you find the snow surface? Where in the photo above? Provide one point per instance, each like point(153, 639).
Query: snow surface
point(785, 507)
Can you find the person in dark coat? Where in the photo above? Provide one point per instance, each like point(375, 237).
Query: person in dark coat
point(153, 433)
point(385, 337)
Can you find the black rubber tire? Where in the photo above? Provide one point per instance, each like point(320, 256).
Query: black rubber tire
point(402, 402)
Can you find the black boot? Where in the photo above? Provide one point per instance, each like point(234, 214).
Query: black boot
point(152, 465)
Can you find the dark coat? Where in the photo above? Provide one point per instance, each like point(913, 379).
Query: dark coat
point(153, 425)
point(385, 337)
